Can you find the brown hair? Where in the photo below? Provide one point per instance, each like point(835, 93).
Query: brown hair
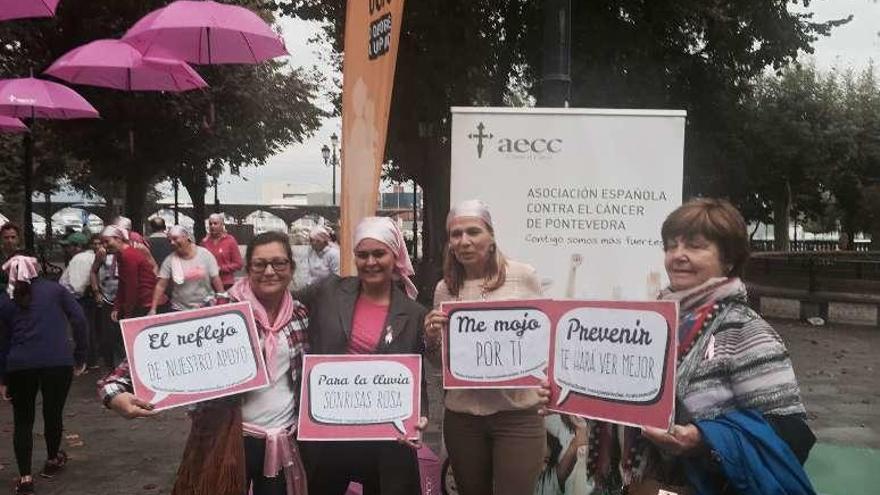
point(496, 267)
point(718, 221)
point(268, 238)
point(11, 226)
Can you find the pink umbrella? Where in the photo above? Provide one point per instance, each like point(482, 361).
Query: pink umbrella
point(11, 124)
point(37, 99)
point(118, 65)
point(206, 32)
point(20, 9)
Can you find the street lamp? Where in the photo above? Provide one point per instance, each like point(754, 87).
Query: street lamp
point(331, 160)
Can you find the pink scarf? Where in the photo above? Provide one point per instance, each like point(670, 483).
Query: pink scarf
point(242, 291)
point(384, 230)
point(281, 454)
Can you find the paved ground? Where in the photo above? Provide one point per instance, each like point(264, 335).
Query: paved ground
point(837, 368)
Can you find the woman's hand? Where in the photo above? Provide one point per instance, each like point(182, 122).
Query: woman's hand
point(130, 407)
point(114, 316)
point(679, 440)
point(79, 370)
point(435, 322)
point(544, 398)
point(417, 443)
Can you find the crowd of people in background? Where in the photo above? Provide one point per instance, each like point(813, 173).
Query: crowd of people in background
point(736, 388)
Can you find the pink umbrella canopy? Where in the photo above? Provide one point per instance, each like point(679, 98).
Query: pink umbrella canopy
point(118, 65)
point(20, 9)
point(11, 124)
point(29, 97)
point(206, 32)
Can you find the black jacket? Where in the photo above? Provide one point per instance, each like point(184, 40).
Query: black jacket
point(160, 248)
point(331, 312)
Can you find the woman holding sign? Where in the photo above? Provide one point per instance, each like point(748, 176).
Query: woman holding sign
point(253, 432)
point(35, 356)
point(495, 438)
point(373, 313)
point(737, 395)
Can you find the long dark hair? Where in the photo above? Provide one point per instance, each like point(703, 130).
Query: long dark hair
point(21, 294)
point(554, 450)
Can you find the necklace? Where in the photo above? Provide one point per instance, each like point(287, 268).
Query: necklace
point(700, 320)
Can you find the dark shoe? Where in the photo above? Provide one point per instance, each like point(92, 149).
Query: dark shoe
point(24, 488)
point(54, 466)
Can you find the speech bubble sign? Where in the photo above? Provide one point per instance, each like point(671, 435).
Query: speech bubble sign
point(372, 397)
point(611, 354)
point(191, 356)
point(497, 347)
point(361, 393)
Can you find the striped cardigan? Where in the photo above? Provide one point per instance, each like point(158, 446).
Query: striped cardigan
point(739, 362)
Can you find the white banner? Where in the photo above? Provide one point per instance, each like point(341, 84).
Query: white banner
point(580, 194)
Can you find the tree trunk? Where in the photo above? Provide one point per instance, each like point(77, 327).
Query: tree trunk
point(135, 197)
point(781, 222)
point(196, 184)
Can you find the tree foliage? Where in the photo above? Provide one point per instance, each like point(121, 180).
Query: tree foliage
point(692, 54)
point(812, 148)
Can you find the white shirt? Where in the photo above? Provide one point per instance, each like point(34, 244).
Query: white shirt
point(275, 405)
point(76, 277)
point(322, 264)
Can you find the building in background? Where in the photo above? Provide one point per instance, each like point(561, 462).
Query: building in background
point(284, 193)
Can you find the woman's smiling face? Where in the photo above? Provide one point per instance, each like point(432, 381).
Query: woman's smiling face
point(692, 261)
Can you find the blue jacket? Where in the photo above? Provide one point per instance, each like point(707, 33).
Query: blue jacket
point(36, 337)
point(753, 458)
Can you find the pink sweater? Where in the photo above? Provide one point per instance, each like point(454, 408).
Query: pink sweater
point(225, 250)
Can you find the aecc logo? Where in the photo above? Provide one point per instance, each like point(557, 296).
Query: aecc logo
point(515, 146)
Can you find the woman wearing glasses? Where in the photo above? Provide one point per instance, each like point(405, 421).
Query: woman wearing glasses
point(372, 313)
point(236, 431)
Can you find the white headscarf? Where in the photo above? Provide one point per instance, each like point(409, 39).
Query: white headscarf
point(180, 231)
point(319, 233)
point(474, 208)
point(115, 231)
point(20, 268)
point(218, 217)
point(386, 231)
point(123, 222)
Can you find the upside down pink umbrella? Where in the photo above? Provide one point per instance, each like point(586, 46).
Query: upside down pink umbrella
point(20, 9)
point(206, 32)
point(11, 124)
point(31, 98)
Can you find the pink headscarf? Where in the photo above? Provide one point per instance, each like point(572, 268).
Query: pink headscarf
point(241, 292)
point(470, 208)
point(386, 231)
point(20, 268)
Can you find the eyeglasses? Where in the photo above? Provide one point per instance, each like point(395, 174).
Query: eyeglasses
point(279, 265)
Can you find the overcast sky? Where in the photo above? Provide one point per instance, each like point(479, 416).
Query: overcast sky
point(852, 45)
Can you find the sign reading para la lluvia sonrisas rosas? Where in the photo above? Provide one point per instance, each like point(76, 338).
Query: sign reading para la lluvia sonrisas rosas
point(360, 397)
point(192, 356)
point(605, 360)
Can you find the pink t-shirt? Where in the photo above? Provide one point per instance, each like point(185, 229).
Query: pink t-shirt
point(367, 327)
